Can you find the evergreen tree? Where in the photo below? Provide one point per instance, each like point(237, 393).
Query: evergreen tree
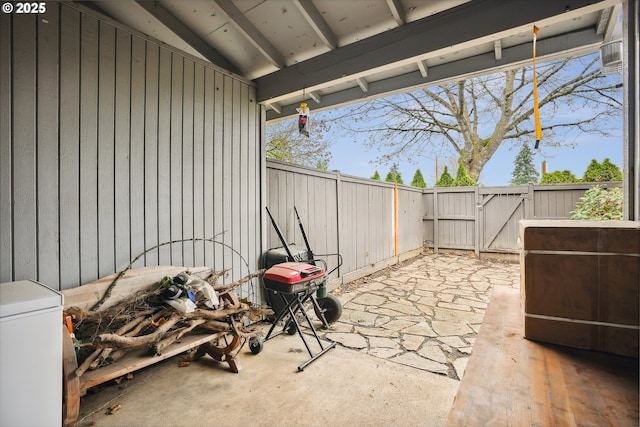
point(394, 174)
point(559, 177)
point(418, 180)
point(446, 180)
point(376, 176)
point(462, 177)
point(600, 172)
point(524, 172)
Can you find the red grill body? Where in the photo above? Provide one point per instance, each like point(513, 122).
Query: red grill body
point(293, 277)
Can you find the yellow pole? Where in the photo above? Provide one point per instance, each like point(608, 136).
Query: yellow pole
point(536, 110)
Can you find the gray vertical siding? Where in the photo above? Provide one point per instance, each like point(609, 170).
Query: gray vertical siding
point(111, 144)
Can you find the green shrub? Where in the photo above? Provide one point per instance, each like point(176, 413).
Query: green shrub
point(559, 177)
point(598, 203)
point(602, 172)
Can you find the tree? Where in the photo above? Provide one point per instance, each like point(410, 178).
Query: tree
point(559, 177)
point(601, 172)
point(462, 177)
point(446, 180)
point(474, 117)
point(418, 180)
point(394, 174)
point(376, 176)
point(286, 144)
point(524, 172)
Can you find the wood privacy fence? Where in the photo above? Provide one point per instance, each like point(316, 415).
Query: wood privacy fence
point(373, 224)
point(485, 219)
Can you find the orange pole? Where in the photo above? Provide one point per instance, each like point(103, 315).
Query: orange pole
point(396, 220)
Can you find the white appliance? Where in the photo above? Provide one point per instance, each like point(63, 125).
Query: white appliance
point(30, 355)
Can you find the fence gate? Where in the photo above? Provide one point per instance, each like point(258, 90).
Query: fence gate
point(500, 209)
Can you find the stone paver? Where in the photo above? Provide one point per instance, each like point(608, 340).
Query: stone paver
point(424, 313)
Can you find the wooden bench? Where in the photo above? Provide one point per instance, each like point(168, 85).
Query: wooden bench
point(511, 381)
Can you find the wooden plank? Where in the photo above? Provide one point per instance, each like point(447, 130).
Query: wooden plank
point(188, 186)
point(140, 358)
point(122, 214)
point(137, 150)
point(106, 143)
point(164, 155)
point(6, 116)
point(510, 381)
point(133, 280)
point(175, 166)
point(208, 206)
point(69, 147)
point(199, 166)
point(151, 171)
point(23, 147)
point(88, 165)
point(70, 383)
point(218, 119)
point(47, 148)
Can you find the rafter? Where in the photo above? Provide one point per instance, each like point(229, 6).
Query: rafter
point(187, 35)
point(497, 49)
point(319, 25)
point(250, 32)
point(397, 11)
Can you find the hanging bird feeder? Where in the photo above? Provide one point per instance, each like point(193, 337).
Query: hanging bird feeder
point(303, 119)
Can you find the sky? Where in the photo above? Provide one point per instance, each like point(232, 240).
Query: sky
point(351, 156)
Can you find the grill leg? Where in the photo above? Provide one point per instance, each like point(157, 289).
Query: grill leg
point(291, 308)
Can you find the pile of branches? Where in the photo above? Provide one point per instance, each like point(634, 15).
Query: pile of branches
point(144, 319)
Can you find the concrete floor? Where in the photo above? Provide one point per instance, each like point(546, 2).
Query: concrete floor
point(404, 338)
point(342, 388)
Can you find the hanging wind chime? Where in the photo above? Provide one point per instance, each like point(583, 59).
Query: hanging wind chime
point(303, 117)
point(536, 109)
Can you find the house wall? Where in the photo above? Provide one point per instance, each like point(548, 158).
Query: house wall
point(112, 144)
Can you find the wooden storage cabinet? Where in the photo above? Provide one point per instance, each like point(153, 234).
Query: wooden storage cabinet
point(580, 283)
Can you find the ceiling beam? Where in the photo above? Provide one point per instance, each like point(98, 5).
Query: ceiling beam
point(497, 49)
point(250, 32)
point(459, 27)
point(364, 86)
point(316, 97)
point(276, 107)
point(567, 44)
point(317, 22)
point(607, 22)
point(424, 70)
point(397, 11)
point(186, 34)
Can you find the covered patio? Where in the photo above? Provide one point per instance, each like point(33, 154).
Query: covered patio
point(405, 338)
point(132, 125)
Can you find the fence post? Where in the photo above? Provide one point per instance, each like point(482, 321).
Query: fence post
point(435, 219)
point(530, 210)
point(338, 216)
point(396, 220)
point(476, 228)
